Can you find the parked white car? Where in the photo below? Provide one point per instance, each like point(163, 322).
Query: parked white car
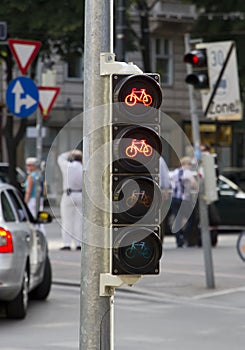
point(25, 269)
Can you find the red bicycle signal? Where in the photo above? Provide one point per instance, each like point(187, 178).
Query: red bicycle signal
point(138, 146)
point(138, 96)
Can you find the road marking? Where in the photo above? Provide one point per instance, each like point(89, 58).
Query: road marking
point(219, 293)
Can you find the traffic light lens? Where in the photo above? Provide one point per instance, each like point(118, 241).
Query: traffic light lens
point(136, 197)
point(137, 95)
point(136, 148)
point(137, 249)
point(195, 59)
point(191, 59)
point(138, 253)
point(198, 79)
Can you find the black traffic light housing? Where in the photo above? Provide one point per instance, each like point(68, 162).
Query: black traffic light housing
point(135, 193)
point(199, 77)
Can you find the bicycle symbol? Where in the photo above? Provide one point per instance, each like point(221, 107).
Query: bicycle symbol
point(138, 249)
point(138, 146)
point(139, 197)
point(138, 96)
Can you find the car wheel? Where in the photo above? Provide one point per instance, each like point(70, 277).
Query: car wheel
point(17, 308)
point(41, 292)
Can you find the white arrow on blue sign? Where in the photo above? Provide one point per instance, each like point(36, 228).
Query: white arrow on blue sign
point(22, 97)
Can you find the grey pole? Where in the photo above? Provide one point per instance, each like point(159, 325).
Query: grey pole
point(120, 27)
point(96, 312)
point(39, 158)
point(203, 210)
point(39, 143)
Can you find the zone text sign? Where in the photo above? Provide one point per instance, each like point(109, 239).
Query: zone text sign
point(226, 103)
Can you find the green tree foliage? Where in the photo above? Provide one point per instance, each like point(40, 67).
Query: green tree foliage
point(140, 41)
point(57, 24)
point(221, 21)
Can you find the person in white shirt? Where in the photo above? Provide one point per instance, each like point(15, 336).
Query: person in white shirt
point(70, 164)
point(183, 182)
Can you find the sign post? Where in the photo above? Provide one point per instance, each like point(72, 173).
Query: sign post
point(23, 96)
point(203, 210)
point(47, 97)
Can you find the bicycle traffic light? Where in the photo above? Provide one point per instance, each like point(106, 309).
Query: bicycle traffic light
point(199, 77)
point(135, 192)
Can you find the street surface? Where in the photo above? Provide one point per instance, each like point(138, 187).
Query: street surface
point(49, 325)
point(172, 311)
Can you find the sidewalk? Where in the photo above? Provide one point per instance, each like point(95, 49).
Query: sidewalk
point(182, 270)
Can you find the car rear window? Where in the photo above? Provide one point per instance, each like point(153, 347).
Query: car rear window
point(8, 213)
point(22, 216)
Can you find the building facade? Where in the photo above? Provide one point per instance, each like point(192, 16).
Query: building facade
point(169, 22)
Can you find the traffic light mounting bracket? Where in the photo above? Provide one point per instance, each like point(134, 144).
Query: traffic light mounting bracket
point(108, 65)
point(109, 282)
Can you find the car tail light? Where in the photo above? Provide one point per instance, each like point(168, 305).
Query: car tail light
point(6, 242)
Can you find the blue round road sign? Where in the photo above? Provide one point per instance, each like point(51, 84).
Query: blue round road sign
point(22, 97)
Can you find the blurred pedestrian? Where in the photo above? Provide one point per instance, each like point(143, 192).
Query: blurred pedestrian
point(165, 186)
point(31, 186)
point(183, 183)
point(164, 182)
point(70, 164)
point(204, 147)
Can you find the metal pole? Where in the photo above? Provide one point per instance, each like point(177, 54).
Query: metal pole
point(120, 30)
point(68, 108)
point(39, 145)
point(39, 159)
point(96, 312)
point(203, 209)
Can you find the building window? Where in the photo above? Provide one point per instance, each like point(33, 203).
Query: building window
point(74, 67)
point(163, 59)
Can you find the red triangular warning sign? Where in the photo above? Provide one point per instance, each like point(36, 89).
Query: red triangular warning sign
point(47, 96)
point(24, 52)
